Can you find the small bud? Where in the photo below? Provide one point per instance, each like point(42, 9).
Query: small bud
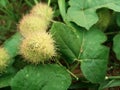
point(4, 59)
point(43, 10)
point(31, 23)
point(38, 47)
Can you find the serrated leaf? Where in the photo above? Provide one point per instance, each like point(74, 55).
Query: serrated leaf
point(77, 44)
point(83, 12)
point(43, 77)
point(116, 46)
point(12, 44)
point(109, 83)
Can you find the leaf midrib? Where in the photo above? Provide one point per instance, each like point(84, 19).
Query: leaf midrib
point(67, 46)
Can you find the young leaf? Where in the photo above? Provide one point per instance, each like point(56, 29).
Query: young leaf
point(42, 77)
point(83, 12)
point(77, 44)
point(116, 46)
point(12, 44)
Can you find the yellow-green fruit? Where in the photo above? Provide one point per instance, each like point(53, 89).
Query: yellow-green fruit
point(42, 10)
point(4, 59)
point(38, 47)
point(31, 23)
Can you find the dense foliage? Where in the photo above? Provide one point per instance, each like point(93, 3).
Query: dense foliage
point(59, 44)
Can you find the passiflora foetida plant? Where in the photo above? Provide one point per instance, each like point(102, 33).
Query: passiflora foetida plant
point(63, 45)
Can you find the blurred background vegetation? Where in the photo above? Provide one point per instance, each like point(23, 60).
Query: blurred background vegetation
point(11, 12)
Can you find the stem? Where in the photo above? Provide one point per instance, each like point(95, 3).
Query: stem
point(73, 74)
point(69, 71)
point(111, 33)
point(35, 1)
point(74, 66)
point(67, 64)
point(112, 77)
point(49, 1)
point(53, 21)
point(28, 3)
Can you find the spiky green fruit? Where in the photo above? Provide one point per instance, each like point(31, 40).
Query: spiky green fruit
point(38, 47)
point(4, 59)
point(43, 10)
point(30, 23)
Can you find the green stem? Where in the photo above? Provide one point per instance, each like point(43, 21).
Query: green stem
point(53, 21)
point(111, 33)
point(28, 3)
point(73, 74)
point(112, 77)
point(49, 1)
point(35, 1)
point(75, 66)
point(67, 64)
point(69, 71)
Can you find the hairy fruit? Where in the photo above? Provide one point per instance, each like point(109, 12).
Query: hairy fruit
point(43, 10)
point(31, 23)
point(38, 47)
point(4, 59)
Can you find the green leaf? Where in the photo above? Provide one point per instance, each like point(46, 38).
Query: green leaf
point(109, 83)
point(77, 44)
point(105, 17)
point(6, 77)
point(62, 8)
point(5, 80)
point(116, 46)
point(42, 77)
point(83, 12)
point(118, 19)
point(12, 44)
point(3, 3)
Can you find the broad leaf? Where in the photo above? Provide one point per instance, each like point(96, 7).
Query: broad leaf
point(43, 77)
point(116, 46)
point(5, 80)
point(3, 3)
point(12, 44)
point(83, 12)
point(77, 44)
